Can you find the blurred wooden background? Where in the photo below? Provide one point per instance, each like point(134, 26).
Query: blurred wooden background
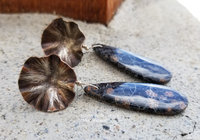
point(89, 10)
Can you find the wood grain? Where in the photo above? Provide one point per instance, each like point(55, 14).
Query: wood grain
point(89, 10)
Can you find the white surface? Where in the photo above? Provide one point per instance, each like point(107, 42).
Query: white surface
point(162, 30)
point(193, 6)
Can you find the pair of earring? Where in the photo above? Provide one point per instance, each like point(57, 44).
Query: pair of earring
point(48, 82)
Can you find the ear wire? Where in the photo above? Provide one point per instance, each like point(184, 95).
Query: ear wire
point(97, 45)
point(94, 45)
point(86, 84)
point(86, 48)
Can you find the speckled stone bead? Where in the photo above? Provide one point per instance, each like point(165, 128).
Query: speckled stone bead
point(135, 65)
point(150, 98)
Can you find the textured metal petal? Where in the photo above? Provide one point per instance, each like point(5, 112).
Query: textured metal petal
point(47, 83)
point(65, 40)
point(134, 64)
point(150, 98)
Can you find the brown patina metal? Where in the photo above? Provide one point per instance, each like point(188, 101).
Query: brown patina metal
point(47, 83)
point(65, 40)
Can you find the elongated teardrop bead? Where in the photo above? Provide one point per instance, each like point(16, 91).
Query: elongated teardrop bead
point(134, 64)
point(150, 98)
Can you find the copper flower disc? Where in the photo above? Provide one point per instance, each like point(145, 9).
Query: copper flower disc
point(65, 40)
point(47, 83)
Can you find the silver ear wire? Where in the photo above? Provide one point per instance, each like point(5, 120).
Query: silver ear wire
point(97, 45)
point(86, 84)
point(86, 48)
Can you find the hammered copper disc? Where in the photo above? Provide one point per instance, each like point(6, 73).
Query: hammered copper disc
point(47, 83)
point(65, 40)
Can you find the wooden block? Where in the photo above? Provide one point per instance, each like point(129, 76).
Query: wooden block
point(89, 10)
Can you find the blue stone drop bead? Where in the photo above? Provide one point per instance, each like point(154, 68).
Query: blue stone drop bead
point(135, 65)
point(150, 98)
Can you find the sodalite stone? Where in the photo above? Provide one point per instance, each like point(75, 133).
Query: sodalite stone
point(150, 98)
point(136, 65)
